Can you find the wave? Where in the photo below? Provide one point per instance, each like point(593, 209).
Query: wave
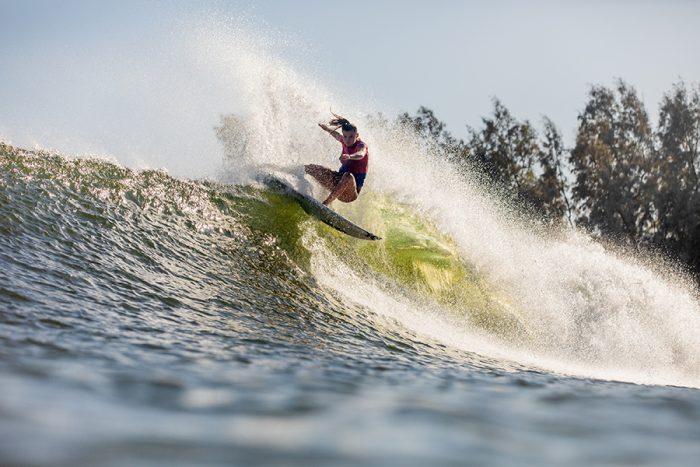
point(118, 238)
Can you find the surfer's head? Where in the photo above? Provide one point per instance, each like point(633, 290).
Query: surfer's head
point(350, 134)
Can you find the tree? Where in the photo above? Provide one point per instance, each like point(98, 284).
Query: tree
point(552, 187)
point(509, 153)
point(677, 197)
point(427, 127)
point(425, 124)
point(611, 162)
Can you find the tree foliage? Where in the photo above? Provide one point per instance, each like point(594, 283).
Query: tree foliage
point(676, 168)
point(427, 127)
point(611, 162)
point(552, 186)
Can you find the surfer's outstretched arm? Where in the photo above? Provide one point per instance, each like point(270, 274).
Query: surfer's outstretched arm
point(332, 131)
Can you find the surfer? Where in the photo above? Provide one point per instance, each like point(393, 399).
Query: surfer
point(346, 183)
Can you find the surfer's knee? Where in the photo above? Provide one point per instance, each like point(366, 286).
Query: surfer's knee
point(347, 178)
point(348, 188)
point(349, 181)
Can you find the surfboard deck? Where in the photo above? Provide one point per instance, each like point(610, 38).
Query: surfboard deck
point(318, 210)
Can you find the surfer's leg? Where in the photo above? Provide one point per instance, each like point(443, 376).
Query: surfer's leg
point(345, 190)
point(324, 176)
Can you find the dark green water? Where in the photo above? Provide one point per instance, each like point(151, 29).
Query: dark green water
point(146, 320)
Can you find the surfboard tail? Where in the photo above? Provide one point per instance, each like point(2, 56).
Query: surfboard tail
point(318, 210)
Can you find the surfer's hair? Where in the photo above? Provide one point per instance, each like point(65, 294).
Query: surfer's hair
point(342, 122)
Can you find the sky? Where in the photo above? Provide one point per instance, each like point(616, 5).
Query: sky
point(540, 58)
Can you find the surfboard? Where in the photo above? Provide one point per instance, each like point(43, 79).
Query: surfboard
point(318, 210)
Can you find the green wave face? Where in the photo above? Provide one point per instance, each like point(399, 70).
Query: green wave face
point(417, 256)
point(254, 232)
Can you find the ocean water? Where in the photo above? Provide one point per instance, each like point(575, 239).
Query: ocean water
point(148, 318)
